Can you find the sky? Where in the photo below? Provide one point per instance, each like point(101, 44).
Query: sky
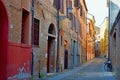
point(99, 9)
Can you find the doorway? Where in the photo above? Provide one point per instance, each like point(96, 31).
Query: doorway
point(51, 49)
point(51, 52)
point(65, 54)
point(66, 59)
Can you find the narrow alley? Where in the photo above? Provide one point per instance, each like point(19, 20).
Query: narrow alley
point(59, 39)
point(92, 70)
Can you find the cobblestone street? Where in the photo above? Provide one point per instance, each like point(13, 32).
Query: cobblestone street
point(60, 39)
point(92, 70)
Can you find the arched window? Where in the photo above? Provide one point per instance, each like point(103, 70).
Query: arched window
point(51, 29)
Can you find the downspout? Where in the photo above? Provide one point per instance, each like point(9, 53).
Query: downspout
point(32, 34)
point(58, 28)
point(86, 42)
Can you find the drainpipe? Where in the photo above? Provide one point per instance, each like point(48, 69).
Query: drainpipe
point(32, 34)
point(58, 28)
point(86, 44)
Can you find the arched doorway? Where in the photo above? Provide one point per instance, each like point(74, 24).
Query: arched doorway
point(51, 49)
point(3, 41)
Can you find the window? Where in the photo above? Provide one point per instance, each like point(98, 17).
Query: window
point(62, 6)
point(36, 31)
point(55, 3)
point(68, 5)
point(81, 10)
point(74, 22)
point(25, 27)
point(70, 24)
point(77, 3)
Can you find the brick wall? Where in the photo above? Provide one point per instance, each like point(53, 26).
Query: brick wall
point(14, 9)
point(46, 14)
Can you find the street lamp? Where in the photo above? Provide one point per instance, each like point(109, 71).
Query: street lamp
point(58, 28)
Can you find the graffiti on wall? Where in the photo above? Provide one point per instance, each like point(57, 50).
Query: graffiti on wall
point(22, 72)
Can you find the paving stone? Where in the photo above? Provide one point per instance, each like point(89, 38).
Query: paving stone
point(92, 70)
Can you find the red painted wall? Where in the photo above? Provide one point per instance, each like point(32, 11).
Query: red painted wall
point(19, 60)
point(3, 41)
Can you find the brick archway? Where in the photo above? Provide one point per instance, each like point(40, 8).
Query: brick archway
point(51, 49)
point(3, 41)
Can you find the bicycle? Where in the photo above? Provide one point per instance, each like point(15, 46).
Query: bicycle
point(108, 66)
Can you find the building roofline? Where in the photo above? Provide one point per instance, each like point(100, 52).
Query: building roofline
point(103, 21)
point(115, 22)
point(85, 5)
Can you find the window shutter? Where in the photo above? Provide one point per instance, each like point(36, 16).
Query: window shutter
point(75, 23)
point(69, 4)
point(55, 3)
point(81, 10)
point(79, 26)
point(76, 3)
point(61, 5)
point(72, 21)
